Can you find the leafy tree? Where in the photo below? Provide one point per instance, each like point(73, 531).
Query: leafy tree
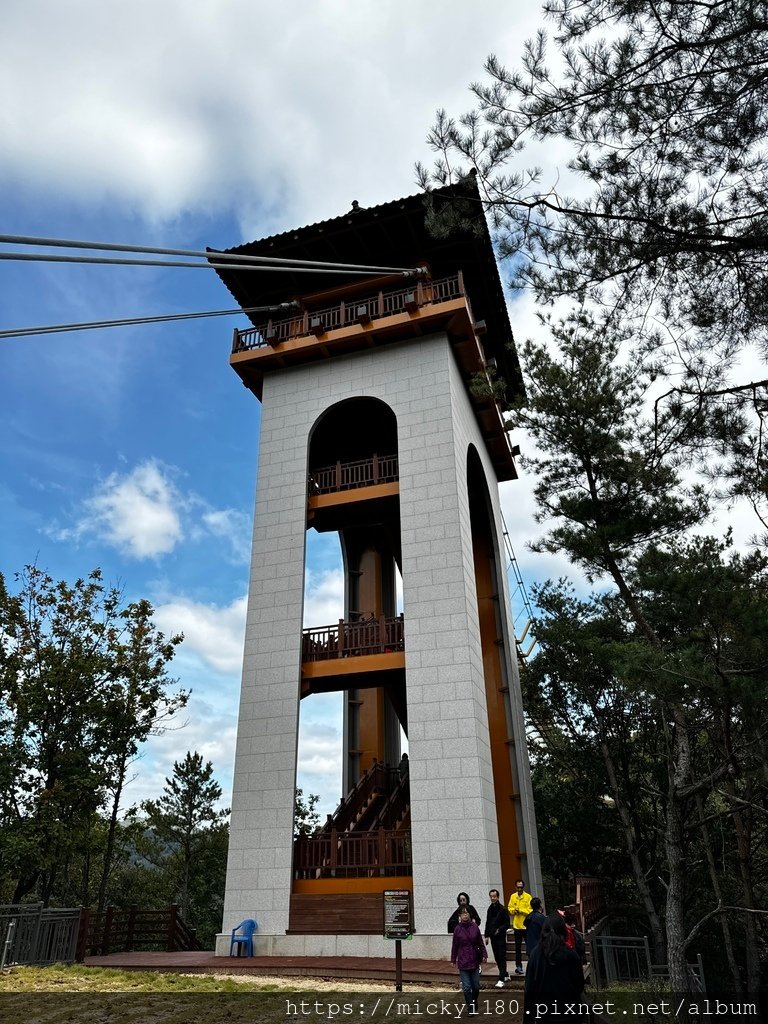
point(305, 817)
point(180, 821)
point(662, 106)
point(660, 110)
point(660, 672)
point(82, 682)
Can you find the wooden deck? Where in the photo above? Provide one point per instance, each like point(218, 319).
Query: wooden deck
point(437, 973)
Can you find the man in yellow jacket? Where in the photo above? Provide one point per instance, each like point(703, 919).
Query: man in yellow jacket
point(519, 908)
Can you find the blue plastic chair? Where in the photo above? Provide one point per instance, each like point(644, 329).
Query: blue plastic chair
point(248, 927)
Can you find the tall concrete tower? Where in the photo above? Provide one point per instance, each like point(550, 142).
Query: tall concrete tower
point(379, 423)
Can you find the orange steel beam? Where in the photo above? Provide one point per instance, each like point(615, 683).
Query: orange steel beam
point(350, 885)
point(355, 494)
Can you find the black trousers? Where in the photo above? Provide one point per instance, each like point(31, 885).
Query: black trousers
point(499, 947)
point(519, 936)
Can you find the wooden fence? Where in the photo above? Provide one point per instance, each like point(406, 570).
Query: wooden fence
point(120, 930)
point(374, 635)
point(341, 314)
point(345, 476)
point(379, 852)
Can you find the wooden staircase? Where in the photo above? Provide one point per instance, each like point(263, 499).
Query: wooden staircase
point(341, 871)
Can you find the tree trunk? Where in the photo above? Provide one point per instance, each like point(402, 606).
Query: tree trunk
point(109, 847)
point(717, 890)
point(676, 944)
point(741, 826)
point(679, 769)
point(630, 837)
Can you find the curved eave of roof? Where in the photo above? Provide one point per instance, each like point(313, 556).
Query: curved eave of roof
point(391, 234)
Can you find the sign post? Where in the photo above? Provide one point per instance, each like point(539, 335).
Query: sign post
point(397, 926)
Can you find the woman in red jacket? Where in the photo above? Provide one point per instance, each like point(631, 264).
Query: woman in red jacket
point(468, 952)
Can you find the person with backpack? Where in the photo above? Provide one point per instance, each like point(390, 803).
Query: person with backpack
point(463, 901)
point(573, 937)
point(555, 977)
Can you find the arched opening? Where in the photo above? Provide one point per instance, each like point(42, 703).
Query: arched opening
point(352, 431)
point(352, 628)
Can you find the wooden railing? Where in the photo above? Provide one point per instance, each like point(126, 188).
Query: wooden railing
point(362, 311)
point(376, 853)
point(590, 899)
point(379, 778)
point(351, 639)
point(344, 476)
point(120, 930)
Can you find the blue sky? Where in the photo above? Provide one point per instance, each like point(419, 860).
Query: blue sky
point(186, 125)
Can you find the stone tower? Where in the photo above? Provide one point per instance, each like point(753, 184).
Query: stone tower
point(382, 419)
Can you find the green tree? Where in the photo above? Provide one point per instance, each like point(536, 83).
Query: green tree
point(305, 816)
point(609, 491)
point(180, 822)
point(662, 108)
point(82, 681)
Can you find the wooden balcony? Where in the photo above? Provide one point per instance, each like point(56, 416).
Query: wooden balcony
point(379, 853)
point(365, 653)
point(344, 492)
point(360, 311)
point(347, 476)
point(373, 635)
point(360, 322)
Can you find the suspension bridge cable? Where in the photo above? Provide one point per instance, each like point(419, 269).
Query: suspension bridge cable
point(206, 254)
point(24, 332)
point(521, 589)
point(34, 257)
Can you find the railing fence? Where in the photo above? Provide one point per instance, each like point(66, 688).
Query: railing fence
point(362, 310)
point(344, 476)
point(34, 935)
point(374, 635)
point(618, 958)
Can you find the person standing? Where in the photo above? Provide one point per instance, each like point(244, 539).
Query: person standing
point(463, 901)
point(519, 907)
point(533, 925)
point(467, 953)
point(496, 927)
point(555, 978)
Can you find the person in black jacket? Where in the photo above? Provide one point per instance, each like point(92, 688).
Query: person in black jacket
point(554, 977)
point(463, 901)
point(496, 927)
point(533, 925)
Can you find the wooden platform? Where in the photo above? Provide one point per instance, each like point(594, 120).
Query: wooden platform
point(435, 973)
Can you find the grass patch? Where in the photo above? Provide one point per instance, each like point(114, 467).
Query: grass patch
point(95, 995)
point(108, 979)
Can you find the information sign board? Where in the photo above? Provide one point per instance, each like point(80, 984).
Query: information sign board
point(397, 913)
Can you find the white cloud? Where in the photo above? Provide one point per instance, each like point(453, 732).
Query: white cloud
point(320, 749)
point(137, 513)
point(323, 597)
point(258, 107)
point(202, 726)
point(234, 527)
point(216, 634)
point(144, 514)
